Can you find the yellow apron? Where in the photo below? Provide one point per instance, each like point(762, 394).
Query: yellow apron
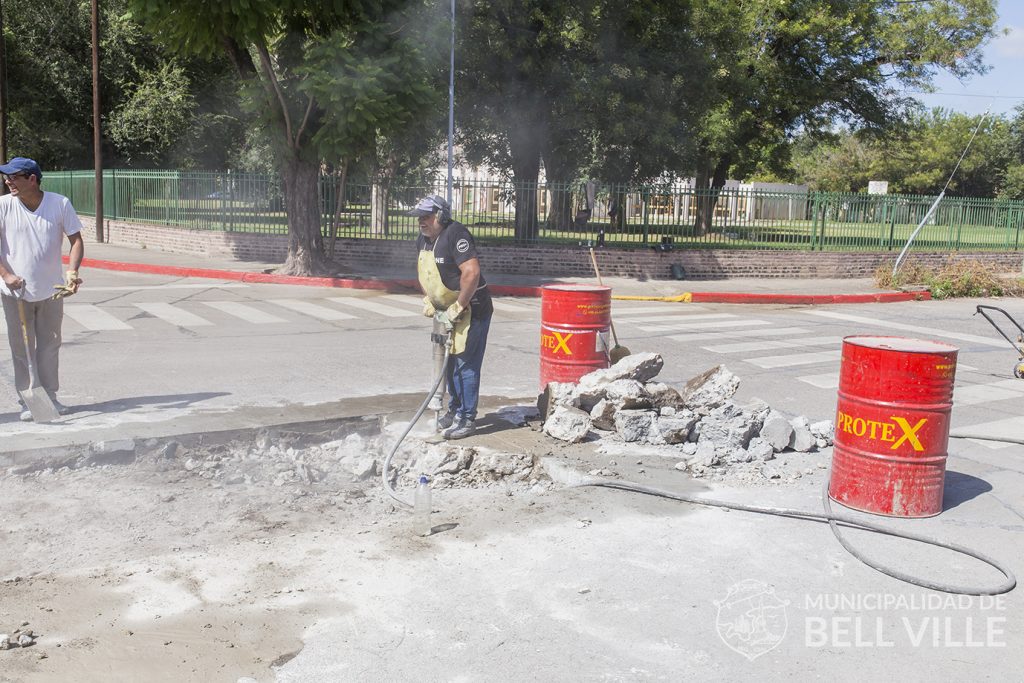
point(441, 297)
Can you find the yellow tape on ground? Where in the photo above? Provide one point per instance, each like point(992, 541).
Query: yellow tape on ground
point(685, 297)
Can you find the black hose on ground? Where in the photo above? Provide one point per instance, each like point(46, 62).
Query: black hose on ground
point(834, 519)
point(415, 418)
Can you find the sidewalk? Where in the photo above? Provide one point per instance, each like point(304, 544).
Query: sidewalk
point(741, 290)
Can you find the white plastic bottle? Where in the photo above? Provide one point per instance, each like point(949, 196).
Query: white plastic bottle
point(421, 507)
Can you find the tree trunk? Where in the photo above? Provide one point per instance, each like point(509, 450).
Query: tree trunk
point(525, 146)
point(707, 194)
point(302, 201)
point(559, 179)
point(379, 195)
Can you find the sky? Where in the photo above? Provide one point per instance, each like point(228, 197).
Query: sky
point(1002, 87)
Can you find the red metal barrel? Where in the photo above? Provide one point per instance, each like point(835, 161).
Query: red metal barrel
point(892, 425)
point(574, 322)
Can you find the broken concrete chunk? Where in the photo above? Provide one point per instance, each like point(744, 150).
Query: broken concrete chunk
point(364, 468)
point(705, 456)
point(627, 394)
point(603, 416)
point(728, 427)
point(555, 394)
point(710, 389)
point(445, 458)
point(567, 424)
point(777, 431)
point(634, 425)
point(802, 439)
point(663, 396)
point(761, 449)
point(824, 431)
point(673, 429)
point(641, 367)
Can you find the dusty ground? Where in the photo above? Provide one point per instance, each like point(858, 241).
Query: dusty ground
point(218, 559)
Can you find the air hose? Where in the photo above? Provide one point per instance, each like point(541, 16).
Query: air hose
point(412, 423)
point(834, 519)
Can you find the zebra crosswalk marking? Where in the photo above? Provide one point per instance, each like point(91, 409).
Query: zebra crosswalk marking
point(372, 306)
point(916, 329)
point(975, 394)
point(746, 347)
point(311, 309)
point(703, 336)
point(500, 305)
point(682, 318)
point(245, 312)
point(93, 317)
point(702, 324)
point(174, 315)
point(792, 359)
point(620, 309)
point(828, 380)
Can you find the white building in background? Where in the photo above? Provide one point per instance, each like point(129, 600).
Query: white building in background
point(478, 191)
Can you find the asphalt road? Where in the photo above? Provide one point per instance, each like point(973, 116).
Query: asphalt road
point(145, 349)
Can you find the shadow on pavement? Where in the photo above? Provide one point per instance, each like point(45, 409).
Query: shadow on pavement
point(169, 401)
point(961, 488)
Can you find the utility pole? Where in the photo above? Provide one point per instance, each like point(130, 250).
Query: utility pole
point(97, 149)
point(3, 96)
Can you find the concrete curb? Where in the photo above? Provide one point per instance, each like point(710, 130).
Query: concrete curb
point(406, 286)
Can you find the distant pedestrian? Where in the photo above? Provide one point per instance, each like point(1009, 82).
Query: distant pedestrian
point(456, 294)
point(33, 224)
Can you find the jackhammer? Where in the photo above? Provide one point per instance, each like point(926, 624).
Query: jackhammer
point(441, 338)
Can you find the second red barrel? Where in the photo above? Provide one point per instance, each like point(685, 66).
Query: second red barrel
point(892, 425)
point(574, 323)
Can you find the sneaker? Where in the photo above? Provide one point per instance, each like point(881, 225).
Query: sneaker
point(61, 408)
point(26, 416)
point(465, 427)
point(445, 421)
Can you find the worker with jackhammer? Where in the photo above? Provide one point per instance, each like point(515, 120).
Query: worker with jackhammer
point(456, 296)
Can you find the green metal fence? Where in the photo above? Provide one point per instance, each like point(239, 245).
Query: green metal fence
point(626, 216)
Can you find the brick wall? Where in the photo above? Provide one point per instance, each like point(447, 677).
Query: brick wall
point(364, 255)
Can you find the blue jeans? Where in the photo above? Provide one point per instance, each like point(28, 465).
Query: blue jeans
point(463, 373)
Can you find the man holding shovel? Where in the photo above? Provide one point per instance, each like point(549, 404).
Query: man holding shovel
point(33, 224)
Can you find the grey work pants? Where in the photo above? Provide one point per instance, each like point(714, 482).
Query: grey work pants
point(43, 319)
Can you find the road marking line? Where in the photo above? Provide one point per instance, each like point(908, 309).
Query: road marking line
point(916, 329)
point(790, 360)
point(621, 309)
point(372, 306)
point(512, 308)
point(746, 347)
point(93, 318)
point(976, 394)
point(245, 312)
point(828, 380)
point(682, 317)
point(132, 288)
point(1010, 428)
point(173, 315)
point(775, 332)
point(311, 309)
point(702, 324)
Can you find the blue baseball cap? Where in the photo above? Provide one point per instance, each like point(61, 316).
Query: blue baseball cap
point(22, 165)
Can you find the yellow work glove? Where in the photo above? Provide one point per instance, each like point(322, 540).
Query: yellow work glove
point(70, 286)
point(455, 311)
point(428, 307)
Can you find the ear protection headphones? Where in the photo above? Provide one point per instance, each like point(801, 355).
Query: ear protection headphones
point(442, 206)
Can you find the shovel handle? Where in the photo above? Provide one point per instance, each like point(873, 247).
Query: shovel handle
point(593, 259)
point(611, 325)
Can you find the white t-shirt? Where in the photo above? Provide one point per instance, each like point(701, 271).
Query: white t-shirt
point(31, 242)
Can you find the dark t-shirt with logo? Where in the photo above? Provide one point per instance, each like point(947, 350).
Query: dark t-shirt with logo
point(453, 247)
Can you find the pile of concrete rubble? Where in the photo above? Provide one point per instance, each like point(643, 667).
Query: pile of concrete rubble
point(702, 425)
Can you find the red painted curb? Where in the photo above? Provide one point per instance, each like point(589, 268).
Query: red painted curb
point(406, 286)
point(751, 298)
